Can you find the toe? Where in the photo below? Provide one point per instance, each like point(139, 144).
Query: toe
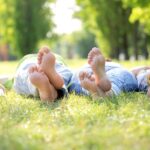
point(82, 75)
point(93, 53)
point(36, 68)
point(31, 69)
point(92, 78)
point(96, 50)
point(44, 49)
point(39, 57)
point(86, 75)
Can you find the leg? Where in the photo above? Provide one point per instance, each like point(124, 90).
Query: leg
point(137, 70)
point(46, 61)
point(97, 63)
point(38, 78)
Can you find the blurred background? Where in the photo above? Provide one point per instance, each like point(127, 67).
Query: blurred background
point(121, 28)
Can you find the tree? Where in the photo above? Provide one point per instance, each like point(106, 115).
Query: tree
point(109, 21)
point(85, 41)
point(6, 27)
point(6, 21)
point(32, 21)
point(141, 14)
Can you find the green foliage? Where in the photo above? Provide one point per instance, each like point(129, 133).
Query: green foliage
point(24, 23)
point(110, 24)
point(51, 40)
point(133, 3)
point(6, 21)
point(75, 123)
point(32, 23)
point(109, 21)
point(143, 16)
point(84, 42)
point(140, 12)
point(78, 43)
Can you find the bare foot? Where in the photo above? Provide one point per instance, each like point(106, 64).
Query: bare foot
point(39, 79)
point(86, 82)
point(92, 53)
point(46, 61)
point(89, 84)
point(97, 63)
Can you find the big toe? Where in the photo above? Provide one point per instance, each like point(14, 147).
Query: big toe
point(96, 51)
point(83, 75)
point(42, 51)
point(32, 69)
point(92, 54)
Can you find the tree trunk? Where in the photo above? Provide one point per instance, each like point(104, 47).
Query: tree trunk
point(135, 40)
point(117, 52)
point(125, 46)
point(145, 49)
point(125, 23)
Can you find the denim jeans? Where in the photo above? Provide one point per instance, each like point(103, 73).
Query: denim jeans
point(121, 79)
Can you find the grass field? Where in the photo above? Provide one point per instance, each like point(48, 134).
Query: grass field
point(76, 123)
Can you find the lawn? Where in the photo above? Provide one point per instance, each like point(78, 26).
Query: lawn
point(75, 123)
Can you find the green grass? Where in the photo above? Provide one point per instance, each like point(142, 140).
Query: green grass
point(8, 67)
point(76, 123)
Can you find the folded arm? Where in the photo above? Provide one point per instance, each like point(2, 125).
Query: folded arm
point(136, 70)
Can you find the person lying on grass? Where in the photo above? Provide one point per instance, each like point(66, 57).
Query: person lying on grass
point(42, 75)
point(102, 79)
point(50, 79)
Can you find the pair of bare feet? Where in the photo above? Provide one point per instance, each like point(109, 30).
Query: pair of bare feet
point(47, 80)
point(97, 84)
point(44, 76)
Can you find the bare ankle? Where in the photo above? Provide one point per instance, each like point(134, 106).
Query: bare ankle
point(104, 84)
point(48, 97)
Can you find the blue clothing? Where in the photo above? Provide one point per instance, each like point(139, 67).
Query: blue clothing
point(22, 84)
point(121, 79)
point(143, 80)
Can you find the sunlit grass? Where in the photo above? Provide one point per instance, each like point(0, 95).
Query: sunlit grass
point(10, 67)
point(131, 64)
point(75, 63)
point(76, 122)
point(7, 67)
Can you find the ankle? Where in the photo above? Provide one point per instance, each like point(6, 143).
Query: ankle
point(56, 80)
point(48, 95)
point(104, 84)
